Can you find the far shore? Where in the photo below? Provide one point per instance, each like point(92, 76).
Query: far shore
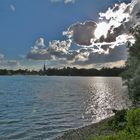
point(66, 72)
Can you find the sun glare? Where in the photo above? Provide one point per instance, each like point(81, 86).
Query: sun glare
point(102, 29)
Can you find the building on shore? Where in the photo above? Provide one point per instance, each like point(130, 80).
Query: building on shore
point(44, 70)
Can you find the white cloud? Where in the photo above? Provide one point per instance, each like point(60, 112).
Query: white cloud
point(119, 19)
point(12, 7)
point(56, 50)
point(64, 1)
point(8, 64)
point(69, 1)
point(1, 56)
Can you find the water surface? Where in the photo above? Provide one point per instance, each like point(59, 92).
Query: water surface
point(41, 107)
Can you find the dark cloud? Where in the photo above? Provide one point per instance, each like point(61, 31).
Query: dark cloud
point(119, 53)
point(116, 8)
point(128, 9)
point(39, 56)
point(116, 54)
point(105, 47)
point(82, 33)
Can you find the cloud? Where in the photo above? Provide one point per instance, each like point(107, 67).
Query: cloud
point(61, 50)
point(6, 63)
point(12, 7)
point(40, 43)
point(113, 23)
point(88, 56)
point(99, 43)
point(9, 64)
point(64, 1)
point(120, 63)
point(56, 50)
point(116, 54)
point(119, 20)
point(69, 1)
point(1, 57)
point(81, 33)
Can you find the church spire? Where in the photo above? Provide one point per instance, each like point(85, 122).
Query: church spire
point(44, 68)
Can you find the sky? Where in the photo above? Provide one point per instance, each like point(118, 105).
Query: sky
point(80, 33)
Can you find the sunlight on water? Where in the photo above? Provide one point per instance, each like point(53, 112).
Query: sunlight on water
point(105, 96)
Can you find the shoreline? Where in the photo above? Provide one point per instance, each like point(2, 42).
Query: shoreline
point(55, 75)
point(87, 132)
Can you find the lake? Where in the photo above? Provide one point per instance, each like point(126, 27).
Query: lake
point(41, 107)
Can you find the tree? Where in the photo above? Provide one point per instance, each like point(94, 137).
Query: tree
point(132, 75)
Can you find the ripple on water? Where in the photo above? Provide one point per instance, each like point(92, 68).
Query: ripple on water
point(41, 108)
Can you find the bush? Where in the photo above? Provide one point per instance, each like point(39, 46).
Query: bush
point(130, 132)
point(119, 121)
point(133, 120)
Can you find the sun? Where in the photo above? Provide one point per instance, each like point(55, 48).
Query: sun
point(101, 30)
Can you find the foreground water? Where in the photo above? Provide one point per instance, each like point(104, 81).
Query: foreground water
point(41, 107)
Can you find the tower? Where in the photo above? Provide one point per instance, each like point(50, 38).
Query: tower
point(44, 68)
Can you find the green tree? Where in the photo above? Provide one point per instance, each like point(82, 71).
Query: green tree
point(132, 75)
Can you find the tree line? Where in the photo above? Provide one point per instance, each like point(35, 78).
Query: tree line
point(67, 71)
point(85, 72)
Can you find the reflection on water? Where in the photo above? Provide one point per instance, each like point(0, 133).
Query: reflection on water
point(35, 107)
point(105, 94)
